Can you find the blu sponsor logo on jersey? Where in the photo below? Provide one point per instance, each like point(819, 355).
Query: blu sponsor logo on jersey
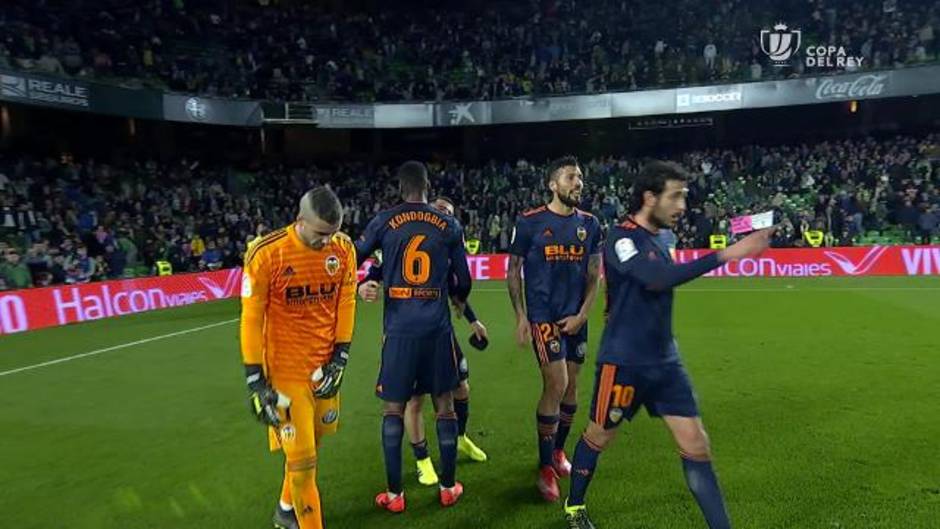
point(564, 252)
point(308, 294)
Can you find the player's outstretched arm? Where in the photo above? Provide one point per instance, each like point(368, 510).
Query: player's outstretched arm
point(656, 274)
point(754, 244)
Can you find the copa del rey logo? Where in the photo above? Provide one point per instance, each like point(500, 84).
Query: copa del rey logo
point(782, 44)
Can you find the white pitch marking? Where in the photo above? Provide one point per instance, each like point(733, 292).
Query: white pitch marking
point(113, 348)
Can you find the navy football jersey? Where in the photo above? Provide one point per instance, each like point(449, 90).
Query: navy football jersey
point(423, 263)
point(556, 249)
point(640, 277)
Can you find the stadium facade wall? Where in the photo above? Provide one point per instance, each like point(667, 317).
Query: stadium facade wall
point(74, 94)
point(30, 309)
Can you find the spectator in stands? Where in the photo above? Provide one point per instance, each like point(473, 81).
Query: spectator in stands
point(82, 267)
point(116, 261)
point(14, 272)
point(211, 259)
point(38, 260)
point(170, 209)
point(907, 217)
point(57, 272)
point(927, 223)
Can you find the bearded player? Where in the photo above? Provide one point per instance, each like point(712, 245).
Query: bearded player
point(557, 247)
point(638, 364)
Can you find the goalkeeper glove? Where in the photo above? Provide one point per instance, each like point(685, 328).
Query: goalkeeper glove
point(330, 376)
point(263, 399)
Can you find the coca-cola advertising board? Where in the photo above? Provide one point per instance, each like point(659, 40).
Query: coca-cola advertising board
point(35, 308)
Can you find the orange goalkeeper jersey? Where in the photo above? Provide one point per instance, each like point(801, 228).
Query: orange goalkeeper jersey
point(297, 303)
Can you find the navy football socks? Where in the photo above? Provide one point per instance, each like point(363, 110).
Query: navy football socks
point(462, 409)
point(582, 470)
point(704, 486)
point(564, 424)
point(447, 442)
point(393, 427)
point(420, 449)
point(547, 428)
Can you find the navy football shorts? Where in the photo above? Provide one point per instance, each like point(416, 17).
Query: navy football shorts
point(418, 364)
point(620, 391)
point(463, 368)
point(551, 345)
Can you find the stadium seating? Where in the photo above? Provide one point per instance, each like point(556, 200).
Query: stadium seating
point(303, 52)
point(858, 191)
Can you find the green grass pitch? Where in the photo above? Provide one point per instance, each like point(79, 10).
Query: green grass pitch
point(821, 396)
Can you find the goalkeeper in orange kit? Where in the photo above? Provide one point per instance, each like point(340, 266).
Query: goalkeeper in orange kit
point(298, 311)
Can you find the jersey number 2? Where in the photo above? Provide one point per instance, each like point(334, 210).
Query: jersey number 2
point(417, 266)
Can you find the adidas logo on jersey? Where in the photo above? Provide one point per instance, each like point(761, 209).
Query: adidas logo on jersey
point(289, 271)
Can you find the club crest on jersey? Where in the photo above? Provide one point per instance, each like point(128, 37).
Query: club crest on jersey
point(582, 349)
point(330, 416)
point(288, 433)
point(332, 265)
point(615, 415)
point(555, 346)
point(582, 233)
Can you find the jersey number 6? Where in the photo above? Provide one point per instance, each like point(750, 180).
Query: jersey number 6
point(417, 266)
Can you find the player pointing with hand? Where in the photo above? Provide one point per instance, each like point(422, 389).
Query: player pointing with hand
point(638, 364)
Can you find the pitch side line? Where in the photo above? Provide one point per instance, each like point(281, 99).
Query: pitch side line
point(114, 348)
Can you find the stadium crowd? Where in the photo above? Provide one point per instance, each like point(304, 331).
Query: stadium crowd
point(67, 221)
point(300, 51)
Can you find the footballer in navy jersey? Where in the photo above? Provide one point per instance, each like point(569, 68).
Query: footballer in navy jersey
point(424, 265)
point(369, 290)
point(554, 267)
point(638, 363)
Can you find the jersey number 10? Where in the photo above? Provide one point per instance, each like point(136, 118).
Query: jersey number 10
point(417, 266)
point(622, 396)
